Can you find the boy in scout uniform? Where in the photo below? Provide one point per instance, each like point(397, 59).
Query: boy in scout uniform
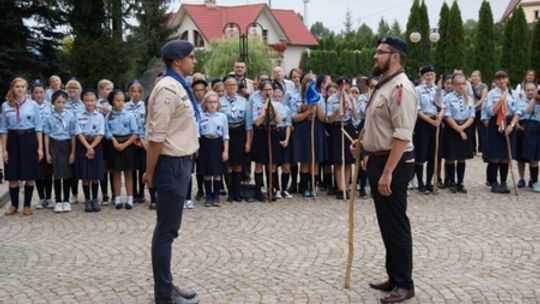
point(390, 119)
point(172, 141)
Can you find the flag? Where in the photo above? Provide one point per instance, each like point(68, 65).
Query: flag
point(501, 117)
point(312, 96)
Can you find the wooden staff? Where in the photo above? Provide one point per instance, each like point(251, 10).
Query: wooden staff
point(270, 162)
point(342, 114)
point(436, 162)
point(352, 198)
point(509, 148)
point(314, 193)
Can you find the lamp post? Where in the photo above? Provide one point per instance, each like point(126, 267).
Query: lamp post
point(416, 37)
point(232, 29)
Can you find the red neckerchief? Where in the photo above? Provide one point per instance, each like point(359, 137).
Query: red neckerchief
point(18, 110)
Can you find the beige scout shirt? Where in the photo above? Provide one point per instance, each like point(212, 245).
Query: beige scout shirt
point(170, 119)
point(386, 119)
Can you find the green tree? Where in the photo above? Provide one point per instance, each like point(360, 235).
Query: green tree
point(225, 52)
point(396, 29)
point(383, 29)
point(419, 52)
point(484, 51)
point(507, 43)
point(319, 30)
point(520, 45)
point(442, 46)
point(469, 35)
point(365, 36)
point(455, 55)
point(535, 46)
point(348, 23)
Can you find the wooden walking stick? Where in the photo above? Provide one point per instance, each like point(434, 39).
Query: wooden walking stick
point(437, 143)
point(509, 148)
point(270, 185)
point(342, 114)
point(313, 117)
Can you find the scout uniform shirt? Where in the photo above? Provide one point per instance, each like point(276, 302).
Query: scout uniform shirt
point(75, 107)
point(512, 102)
point(391, 114)
point(90, 124)
point(238, 110)
point(138, 110)
point(360, 104)
point(171, 119)
point(120, 124)
point(428, 99)
point(59, 126)
point(214, 125)
point(332, 105)
point(24, 116)
point(459, 108)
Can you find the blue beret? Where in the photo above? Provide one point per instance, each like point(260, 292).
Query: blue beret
point(176, 49)
point(426, 69)
point(396, 43)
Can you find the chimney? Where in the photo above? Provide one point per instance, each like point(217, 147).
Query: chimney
point(210, 3)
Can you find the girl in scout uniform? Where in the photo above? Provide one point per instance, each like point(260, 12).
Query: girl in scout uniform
point(44, 184)
point(479, 90)
point(459, 118)
point(121, 131)
point(326, 90)
point(136, 107)
point(21, 127)
point(338, 111)
point(447, 88)
point(75, 106)
point(359, 115)
point(89, 168)
point(264, 110)
point(530, 143)
point(219, 87)
point(290, 96)
point(530, 76)
point(531, 140)
point(55, 84)
point(504, 100)
point(104, 87)
point(284, 130)
point(429, 119)
point(59, 129)
point(198, 87)
point(214, 147)
point(240, 120)
point(302, 114)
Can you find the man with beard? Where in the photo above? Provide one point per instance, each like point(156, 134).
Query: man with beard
point(390, 119)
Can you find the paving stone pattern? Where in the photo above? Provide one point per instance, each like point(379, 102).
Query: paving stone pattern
point(468, 248)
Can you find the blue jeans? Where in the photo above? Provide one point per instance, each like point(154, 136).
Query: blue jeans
point(171, 180)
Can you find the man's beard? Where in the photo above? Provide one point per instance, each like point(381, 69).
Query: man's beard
point(379, 70)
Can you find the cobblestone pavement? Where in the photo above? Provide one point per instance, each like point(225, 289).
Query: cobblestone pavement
point(473, 248)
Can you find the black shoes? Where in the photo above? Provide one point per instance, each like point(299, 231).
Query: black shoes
point(460, 188)
point(88, 206)
point(199, 195)
point(183, 293)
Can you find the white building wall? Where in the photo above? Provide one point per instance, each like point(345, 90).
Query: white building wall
point(291, 57)
point(189, 25)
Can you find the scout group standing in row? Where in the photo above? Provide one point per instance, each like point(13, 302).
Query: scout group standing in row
point(69, 134)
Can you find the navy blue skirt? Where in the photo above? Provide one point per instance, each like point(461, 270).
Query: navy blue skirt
point(520, 136)
point(237, 142)
point(531, 141)
point(424, 141)
point(89, 169)
point(209, 162)
point(286, 153)
point(23, 160)
point(495, 142)
point(121, 160)
point(139, 155)
point(259, 150)
point(45, 167)
point(454, 147)
point(334, 143)
point(302, 142)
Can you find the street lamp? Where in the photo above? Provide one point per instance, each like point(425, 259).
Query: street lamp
point(232, 29)
point(416, 37)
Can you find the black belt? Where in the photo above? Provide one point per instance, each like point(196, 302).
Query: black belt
point(186, 157)
point(211, 136)
point(22, 132)
point(236, 125)
point(384, 153)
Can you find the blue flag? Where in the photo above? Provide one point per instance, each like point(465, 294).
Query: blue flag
point(312, 96)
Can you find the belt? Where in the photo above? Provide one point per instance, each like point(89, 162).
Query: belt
point(380, 153)
point(211, 136)
point(236, 125)
point(338, 123)
point(460, 122)
point(22, 132)
point(186, 157)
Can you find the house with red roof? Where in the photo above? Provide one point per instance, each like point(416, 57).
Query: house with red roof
point(282, 29)
point(530, 7)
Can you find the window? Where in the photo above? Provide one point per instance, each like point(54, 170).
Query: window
point(198, 40)
point(184, 35)
point(265, 35)
point(536, 14)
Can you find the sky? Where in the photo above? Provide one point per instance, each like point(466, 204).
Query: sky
point(332, 12)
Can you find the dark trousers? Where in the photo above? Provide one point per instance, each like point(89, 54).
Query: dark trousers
point(392, 217)
point(170, 180)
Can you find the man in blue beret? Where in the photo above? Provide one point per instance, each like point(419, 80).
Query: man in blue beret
point(390, 119)
point(172, 141)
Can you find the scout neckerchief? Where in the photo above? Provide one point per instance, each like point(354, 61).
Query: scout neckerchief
point(382, 82)
point(18, 107)
point(60, 119)
point(184, 84)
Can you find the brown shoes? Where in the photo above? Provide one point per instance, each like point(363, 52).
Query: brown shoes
point(385, 286)
point(27, 211)
point(398, 295)
point(10, 210)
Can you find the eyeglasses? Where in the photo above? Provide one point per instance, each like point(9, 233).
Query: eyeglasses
point(380, 52)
